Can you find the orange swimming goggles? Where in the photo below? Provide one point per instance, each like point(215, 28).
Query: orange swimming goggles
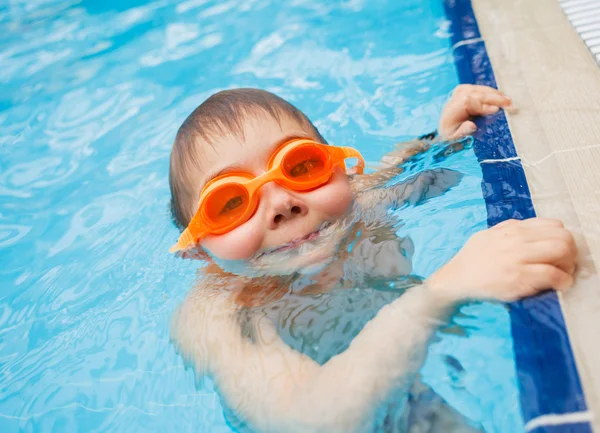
point(230, 200)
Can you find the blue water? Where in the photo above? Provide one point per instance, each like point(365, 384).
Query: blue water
point(91, 96)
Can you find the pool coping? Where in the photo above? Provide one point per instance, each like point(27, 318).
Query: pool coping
point(552, 397)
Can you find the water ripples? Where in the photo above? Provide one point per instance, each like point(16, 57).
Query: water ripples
point(11, 234)
point(178, 41)
point(93, 93)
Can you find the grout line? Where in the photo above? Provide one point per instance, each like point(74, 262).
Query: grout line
point(492, 161)
point(554, 419)
point(466, 42)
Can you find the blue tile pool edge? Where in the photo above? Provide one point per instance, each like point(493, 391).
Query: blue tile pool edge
point(549, 383)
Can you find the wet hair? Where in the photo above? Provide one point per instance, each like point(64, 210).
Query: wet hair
point(221, 115)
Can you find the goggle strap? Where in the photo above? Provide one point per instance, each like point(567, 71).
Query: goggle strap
point(343, 153)
point(185, 239)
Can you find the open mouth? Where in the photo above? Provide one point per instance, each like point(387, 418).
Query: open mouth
point(298, 241)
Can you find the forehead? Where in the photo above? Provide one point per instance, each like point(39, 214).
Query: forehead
point(250, 152)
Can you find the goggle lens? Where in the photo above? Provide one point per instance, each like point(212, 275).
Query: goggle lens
point(226, 204)
point(305, 163)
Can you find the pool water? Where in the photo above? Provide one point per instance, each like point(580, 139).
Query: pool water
point(92, 95)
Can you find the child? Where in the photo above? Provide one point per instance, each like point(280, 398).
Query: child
point(274, 242)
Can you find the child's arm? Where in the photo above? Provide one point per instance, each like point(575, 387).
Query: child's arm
point(467, 101)
point(376, 202)
point(390, 163)
point(275, 388)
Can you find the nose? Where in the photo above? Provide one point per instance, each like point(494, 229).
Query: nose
point(282, 206)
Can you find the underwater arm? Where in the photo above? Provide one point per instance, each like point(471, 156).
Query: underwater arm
point(275, 388)
point(376, 202)
point(404, 151)
point(391, 161)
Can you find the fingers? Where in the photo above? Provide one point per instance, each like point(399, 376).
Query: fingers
point(543, 276)
point(543, 234)
point(489, 109)
point(472, 89)
point(466, 128)
point(485, 103)
point(541, 241)
point(468, 101)
point(541, 222)
point(558, 252)
point(530, 223)
point(494, 98)
point(481, 100)
point(534, 230)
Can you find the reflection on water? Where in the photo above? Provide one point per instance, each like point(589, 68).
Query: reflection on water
point(92, 94)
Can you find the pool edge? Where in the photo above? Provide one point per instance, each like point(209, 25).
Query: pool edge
point(496, 146)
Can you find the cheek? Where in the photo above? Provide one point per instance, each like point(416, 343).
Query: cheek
point(335, 198)
point(239, 244)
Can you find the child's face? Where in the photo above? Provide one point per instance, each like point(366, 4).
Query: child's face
point(285, 220)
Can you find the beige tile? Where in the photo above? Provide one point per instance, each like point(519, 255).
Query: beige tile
point(580, 168)
point(571, 129)
point(548, 49)
point(556, 81)
point(559, 206)
point(531, 14)
point(550, 70)
point(533, 145)
point(569, 88)
point(582, 178)
point(544, 177)
point(581, 306)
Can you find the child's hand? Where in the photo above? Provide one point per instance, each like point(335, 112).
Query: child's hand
point(468, 101)
point(509, 261)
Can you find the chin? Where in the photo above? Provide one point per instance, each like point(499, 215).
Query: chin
point(310, 263)
point(307, 259)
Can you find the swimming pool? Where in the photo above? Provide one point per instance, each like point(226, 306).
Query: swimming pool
point(94, 92)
